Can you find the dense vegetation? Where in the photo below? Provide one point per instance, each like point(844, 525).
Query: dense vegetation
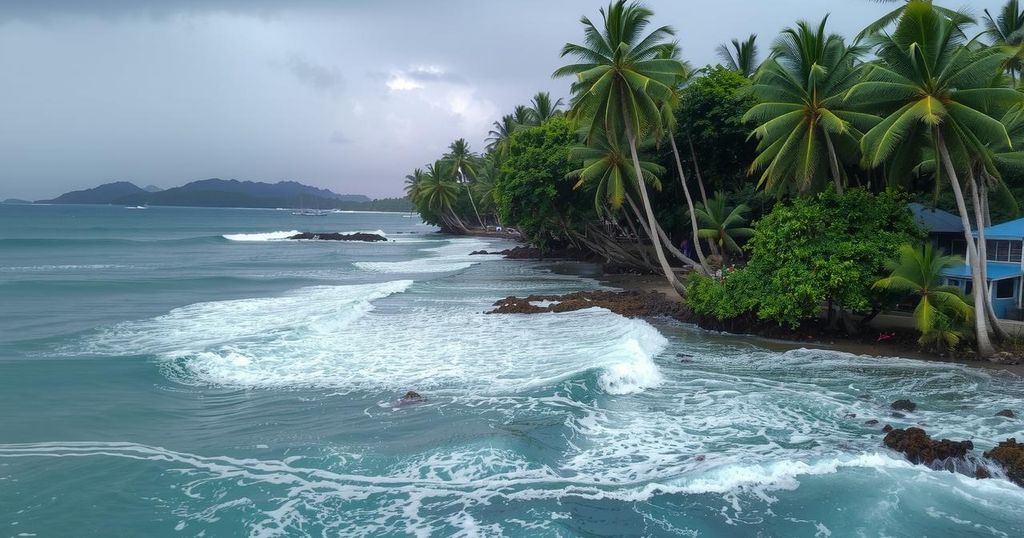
point(778, 183)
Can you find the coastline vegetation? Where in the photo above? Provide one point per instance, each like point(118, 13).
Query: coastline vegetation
point(767, 188)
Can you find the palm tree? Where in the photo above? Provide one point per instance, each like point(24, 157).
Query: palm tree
point(484, 185)
point(807, 130)
point(1007, 30)
point(439, 192)
point(941, 310)
point(523, 116)
point(413, 182)
point(542, 108)
point(464, 168)
point(620, 78)
point(497, 139)
point(958, 18)
point(742, 57)
point(933, 85)
point(722, 225)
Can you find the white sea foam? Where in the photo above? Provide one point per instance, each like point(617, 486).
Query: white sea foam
point(454, 256)
point(267, 236)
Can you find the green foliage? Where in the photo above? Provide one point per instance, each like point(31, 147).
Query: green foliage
point(531, 191)
point(829, 247)
point(943, 314)
point(710, 112)
point(721, 224)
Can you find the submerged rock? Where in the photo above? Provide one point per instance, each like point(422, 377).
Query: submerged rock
point(887, 428)
point(871, 422)
point(478, 253)
point(918, 447)
point(631, 304)
point(411, 397)
point(1010, 454)
point(903, 405)
point(1006, 413)
point(333, 236)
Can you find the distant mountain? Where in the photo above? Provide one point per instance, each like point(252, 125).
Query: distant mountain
point(228, 193)
point(14, 201)
point(151, 188)
point(104, 194)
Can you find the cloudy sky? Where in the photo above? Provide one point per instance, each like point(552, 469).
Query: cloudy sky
point(344, 94)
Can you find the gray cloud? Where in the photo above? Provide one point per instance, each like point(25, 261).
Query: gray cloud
point(167, 91)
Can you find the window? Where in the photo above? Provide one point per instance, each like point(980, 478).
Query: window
point(1003, 251)
point(1005, 289)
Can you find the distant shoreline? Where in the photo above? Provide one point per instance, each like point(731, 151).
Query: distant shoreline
point(329, 211)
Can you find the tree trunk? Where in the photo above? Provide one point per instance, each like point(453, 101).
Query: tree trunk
point(664, 238)
point(696, 169)
point(979, 218)
point(651, 220)
point(689, 204)
point(469, 192)
point(833, 162)
point(981, 326)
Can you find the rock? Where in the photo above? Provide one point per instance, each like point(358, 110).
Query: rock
point(1005, 357)
point(332, 236)
point(478, 253)
point(1006, 413)
point(887, 428)
point(898, 415)
point(1010, 454)
point(700, 457)
point(981, 472)
point(903, 405)
point(918, 447)
point(631, 304)
point(871, 422)
point(851, 415)
point(411, 397)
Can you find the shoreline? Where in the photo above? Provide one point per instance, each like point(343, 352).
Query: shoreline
point(656, 283)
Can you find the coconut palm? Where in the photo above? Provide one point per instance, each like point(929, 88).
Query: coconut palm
point(1007, 30)
point(722, 225)
point(929, 83)
point(464, 165)
point(807, 130)
point(439, 192)
point(498, 138)
point(413, 182)
point(958, 18)
point(523, 116)
point(620, 79)
point(742, 57)
point(941, 310)
point(542, 108)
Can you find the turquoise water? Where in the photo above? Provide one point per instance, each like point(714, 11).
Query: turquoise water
point(177, 372)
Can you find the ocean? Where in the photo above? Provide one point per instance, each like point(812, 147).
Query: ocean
point(189, 372)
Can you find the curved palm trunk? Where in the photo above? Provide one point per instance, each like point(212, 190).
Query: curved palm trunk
point(979, 218)
point(696, 169)
point(663, 237)
point(833, 162)
point(981, 325)
point(651, 220)
point(689, 204)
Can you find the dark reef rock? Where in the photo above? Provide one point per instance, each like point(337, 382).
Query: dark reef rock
point(903, 405)
point(920, 448)
point(1006, 413)
point(898, 415)
point(411, 397)
point(333, 236)
point(534, 253)
point(479, 253)
point(632, 304)
point(887, 428)
point(871, 422)
point(1010, 454)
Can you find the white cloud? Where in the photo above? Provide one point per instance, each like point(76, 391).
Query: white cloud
point(400, 83)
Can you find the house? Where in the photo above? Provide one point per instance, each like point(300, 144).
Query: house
point(1004, 245)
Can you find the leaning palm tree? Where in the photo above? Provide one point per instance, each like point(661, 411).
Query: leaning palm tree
point(1007, 30)
point(464, 165)
point(941, 309)
point(930, 83)
point(806, 128)
point(620, 78)
point(542, 108)
point(722, 225)
point(413, 182)
point(742, 57)
point(439, 192)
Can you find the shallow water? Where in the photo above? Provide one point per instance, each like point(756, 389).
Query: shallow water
point(183, 372)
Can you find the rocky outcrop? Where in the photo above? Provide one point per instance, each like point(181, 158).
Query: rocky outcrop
point(920, 448)
point(1006, 413)
point(632, 304)
point(411, 397)
point(1010, 454)
point(333, 236)
point(903, 405)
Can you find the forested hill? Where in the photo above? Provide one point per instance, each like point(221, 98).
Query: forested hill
point(230, 193)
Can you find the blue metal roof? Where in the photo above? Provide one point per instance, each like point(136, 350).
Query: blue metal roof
point(936, 220)
point(996, 271)
point(1007, 230)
